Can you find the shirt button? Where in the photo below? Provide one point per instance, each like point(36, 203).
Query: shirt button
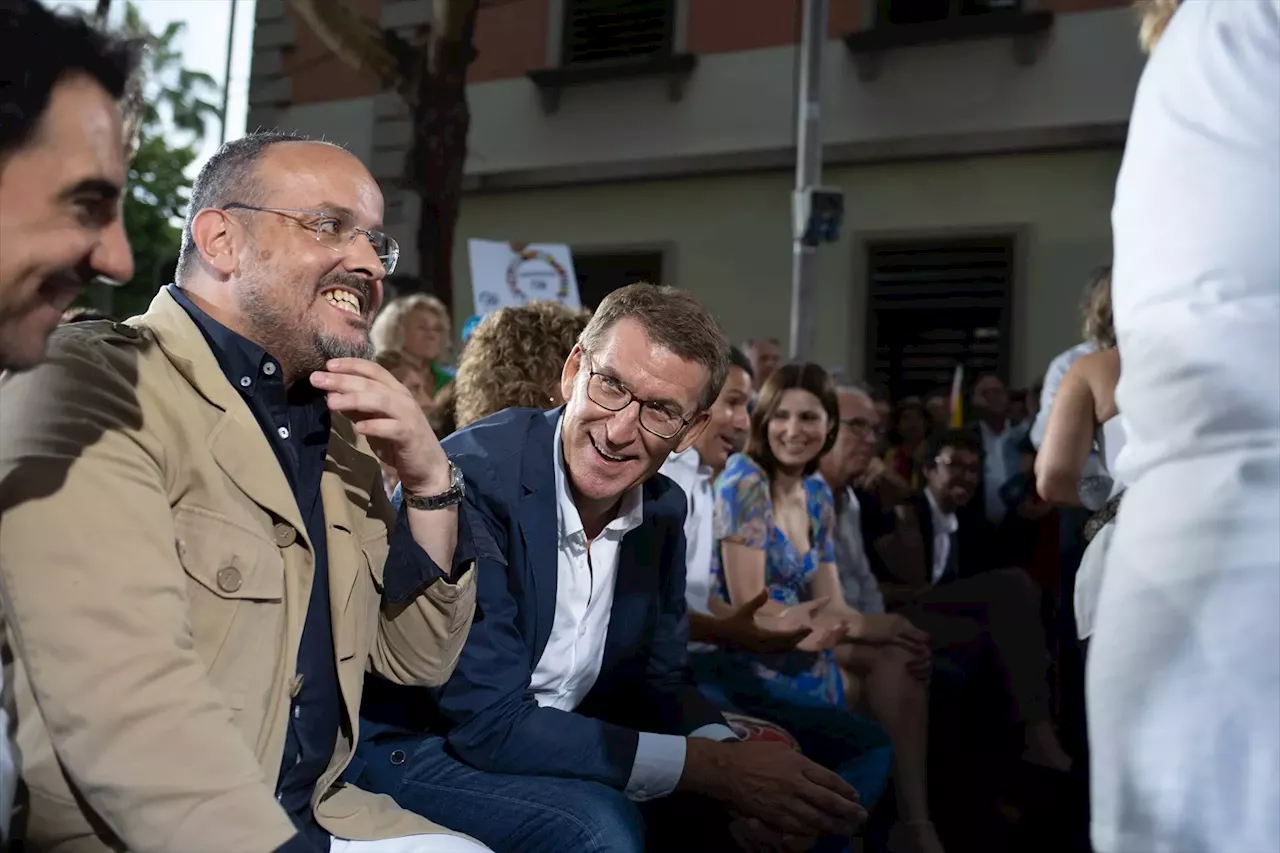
point(285, 535)
point(283, 432)
point(228, 579)
point(269, 368)
point(245, 381)
point(397, 757)
point(297, 712)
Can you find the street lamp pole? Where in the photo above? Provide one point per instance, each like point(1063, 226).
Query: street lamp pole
point(808, 175)
point(226, 74)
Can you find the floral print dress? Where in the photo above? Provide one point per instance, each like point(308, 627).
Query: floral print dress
point(744, 511)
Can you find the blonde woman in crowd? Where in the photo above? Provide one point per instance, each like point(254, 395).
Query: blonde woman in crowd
point(1183, 685)
point(514, 358)
point(419, 329)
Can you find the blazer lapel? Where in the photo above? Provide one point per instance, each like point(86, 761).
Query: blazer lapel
point(635, 590)
point(236, 441)
point(539, 525)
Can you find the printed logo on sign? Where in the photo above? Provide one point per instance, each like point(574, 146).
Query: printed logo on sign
point(538, 272)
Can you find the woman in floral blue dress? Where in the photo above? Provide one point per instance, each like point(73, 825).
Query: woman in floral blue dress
point(774, 526)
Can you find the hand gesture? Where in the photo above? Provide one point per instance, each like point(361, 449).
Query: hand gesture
point(745, 629)
point(775, 785)
point(819, 633)
point(385, 412)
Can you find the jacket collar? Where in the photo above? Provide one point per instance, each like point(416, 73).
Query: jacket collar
point(236, 440)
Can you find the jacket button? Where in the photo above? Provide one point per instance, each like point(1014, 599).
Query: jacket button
point(397, 757)
point(285, 535)
point(229, 579)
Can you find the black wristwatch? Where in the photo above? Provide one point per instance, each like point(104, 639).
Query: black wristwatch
point(450, 497)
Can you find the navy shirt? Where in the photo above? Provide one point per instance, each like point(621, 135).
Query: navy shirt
point(296, 422)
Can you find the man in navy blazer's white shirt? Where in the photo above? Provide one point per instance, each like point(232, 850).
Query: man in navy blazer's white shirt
point(571, 715)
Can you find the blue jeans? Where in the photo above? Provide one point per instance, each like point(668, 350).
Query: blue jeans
point(832, 736)
point(508, 813)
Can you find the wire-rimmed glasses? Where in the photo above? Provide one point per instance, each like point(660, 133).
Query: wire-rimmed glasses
point(335, 232)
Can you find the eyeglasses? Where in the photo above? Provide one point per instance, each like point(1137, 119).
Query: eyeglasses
point(332, 232)
point(863, 426)
point(656, 418)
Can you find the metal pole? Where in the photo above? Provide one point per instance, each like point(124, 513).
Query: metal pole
point(226, 75)
point(813, 36)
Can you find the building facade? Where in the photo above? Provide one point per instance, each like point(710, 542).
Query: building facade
point(976, 141)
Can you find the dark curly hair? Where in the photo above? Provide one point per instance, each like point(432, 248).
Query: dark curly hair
point(515, 358)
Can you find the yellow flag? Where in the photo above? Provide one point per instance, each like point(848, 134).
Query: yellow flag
point(957, 398)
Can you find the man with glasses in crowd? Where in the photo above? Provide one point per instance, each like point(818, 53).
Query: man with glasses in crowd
point(199, 559)
point(572, 702)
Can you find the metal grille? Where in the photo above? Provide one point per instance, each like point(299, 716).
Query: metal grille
point(934, 304)
point(597, 30)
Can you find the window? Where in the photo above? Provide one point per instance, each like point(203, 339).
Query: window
point(597, 30)
point(905, 12)
point(602, 273)
point(936, 303)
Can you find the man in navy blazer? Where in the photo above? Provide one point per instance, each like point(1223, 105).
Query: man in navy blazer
point(571, 715)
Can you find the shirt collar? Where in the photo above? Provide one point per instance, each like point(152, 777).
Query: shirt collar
point(943, 522)
point(630, 512)
point(989, 435)
point(687, 465)
point(243, 361)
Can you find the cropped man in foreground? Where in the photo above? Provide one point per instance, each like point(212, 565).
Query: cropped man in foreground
point(197, 556)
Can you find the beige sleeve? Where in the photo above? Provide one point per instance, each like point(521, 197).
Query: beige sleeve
point(96, 601)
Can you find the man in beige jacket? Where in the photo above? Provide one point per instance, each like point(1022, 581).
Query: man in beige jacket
point(197, 558)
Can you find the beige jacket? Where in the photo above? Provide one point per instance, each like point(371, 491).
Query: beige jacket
point(155, 574)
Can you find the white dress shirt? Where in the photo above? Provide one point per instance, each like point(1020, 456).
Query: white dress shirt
point(586, 575)
point(945, 524)
point(857, 581)
point(695, 480)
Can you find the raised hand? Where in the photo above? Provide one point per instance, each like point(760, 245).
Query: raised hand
point(745, 629)
point(386, 413)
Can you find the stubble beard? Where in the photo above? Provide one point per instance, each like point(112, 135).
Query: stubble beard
point(295, 338)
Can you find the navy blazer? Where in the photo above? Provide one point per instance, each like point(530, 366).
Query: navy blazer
point(486, 710)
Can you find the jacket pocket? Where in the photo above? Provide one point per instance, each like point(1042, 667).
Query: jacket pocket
point(226, 559)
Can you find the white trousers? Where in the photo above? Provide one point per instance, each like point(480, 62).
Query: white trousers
point(410, 844)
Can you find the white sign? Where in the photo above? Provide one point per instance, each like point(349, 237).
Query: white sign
point(505, 274)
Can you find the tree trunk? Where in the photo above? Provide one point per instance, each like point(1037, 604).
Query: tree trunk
point(436, 158)
point(101, 11)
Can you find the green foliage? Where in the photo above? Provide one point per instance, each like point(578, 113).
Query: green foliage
point(178, 105)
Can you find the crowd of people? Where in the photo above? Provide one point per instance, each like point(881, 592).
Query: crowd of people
point(277, 579)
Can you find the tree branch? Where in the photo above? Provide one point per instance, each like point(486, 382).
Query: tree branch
point(353, 38)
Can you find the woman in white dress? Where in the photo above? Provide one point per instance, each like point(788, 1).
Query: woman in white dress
point(1084, 418)
point(1183, 682)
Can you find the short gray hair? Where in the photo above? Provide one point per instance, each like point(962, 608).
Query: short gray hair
point(229, 176)
point(673, 319)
